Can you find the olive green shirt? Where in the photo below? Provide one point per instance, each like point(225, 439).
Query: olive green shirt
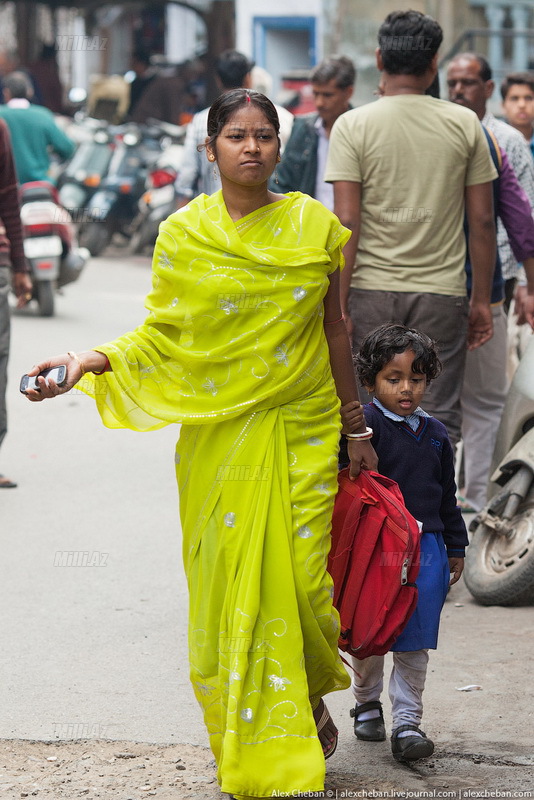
point(413, 155)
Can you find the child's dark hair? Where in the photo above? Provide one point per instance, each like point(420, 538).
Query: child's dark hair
point(384, 343)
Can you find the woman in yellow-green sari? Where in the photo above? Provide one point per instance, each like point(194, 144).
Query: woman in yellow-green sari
point(244, 344)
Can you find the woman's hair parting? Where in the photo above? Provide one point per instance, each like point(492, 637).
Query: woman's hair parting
point(381, 345)
point(229, 102)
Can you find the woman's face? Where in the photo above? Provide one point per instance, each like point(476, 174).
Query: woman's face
point(247, 147)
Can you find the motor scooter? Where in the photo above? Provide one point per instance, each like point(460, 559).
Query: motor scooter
point(114, 205)
point(155, 205)
point(83, 174)
point(50, 244)
point(160, 198)
point(499, 563)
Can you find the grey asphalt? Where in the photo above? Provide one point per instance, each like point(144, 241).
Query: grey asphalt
point(98, 650)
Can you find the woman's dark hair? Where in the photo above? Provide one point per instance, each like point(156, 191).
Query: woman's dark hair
point(381, 345)
point(408, 42)
point(229, 102)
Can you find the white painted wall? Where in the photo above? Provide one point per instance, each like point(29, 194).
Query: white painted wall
point(246, 10)
point(183, 33)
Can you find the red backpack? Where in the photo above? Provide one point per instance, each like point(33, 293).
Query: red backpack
point(374, 561)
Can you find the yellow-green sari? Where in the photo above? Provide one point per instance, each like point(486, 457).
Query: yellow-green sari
point(234, 349)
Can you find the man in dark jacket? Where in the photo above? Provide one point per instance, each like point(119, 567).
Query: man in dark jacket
point(304, 159)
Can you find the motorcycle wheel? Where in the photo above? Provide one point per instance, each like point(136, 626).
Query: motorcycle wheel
point(499, 570)
point(136, 244)
point(45, 298)
point(95, 236)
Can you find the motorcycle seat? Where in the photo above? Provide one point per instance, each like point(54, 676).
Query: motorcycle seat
point(38, 190)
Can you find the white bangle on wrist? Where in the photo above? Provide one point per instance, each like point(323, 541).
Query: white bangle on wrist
point(360, 437)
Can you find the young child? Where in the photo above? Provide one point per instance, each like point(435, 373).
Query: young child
point(396, 364)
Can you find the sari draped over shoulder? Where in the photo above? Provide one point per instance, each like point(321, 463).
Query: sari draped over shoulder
point(234, 314)
point(234, 348)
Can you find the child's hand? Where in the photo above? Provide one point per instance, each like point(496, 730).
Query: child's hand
point(456, 566)
point(352, 417)
point(362, 456)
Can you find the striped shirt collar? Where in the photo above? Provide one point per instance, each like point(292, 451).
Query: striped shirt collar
point(412, 419)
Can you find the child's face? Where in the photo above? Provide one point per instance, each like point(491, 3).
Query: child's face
point(397, 387)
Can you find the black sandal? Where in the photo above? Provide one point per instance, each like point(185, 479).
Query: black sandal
point(410, 748)
point(369, 730)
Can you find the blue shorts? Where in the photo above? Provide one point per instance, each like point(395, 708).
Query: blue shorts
point(421, 632)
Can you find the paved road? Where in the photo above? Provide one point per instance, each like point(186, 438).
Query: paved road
point(97, 648)
point(99, 651)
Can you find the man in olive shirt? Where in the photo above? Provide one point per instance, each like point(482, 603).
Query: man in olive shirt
point(405, 168)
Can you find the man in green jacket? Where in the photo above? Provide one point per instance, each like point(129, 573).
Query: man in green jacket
point(304, 158)
point(33, 130)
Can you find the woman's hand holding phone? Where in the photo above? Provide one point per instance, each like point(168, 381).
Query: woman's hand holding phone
point(47, 385)
point(76, 366)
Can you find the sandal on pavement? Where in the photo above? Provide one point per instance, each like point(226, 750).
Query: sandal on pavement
point(369, 730)
point(324, 718)
point(5, 483)
point(410, 748)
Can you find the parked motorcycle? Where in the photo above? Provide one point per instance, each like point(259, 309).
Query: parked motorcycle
point(499, 564)
point(159, 199)
point(114, 205)
point(83, 174)
point(50, 244)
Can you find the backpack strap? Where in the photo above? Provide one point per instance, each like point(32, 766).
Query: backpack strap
point(495, 150)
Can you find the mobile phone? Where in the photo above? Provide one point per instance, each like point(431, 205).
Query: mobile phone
point(58, 374)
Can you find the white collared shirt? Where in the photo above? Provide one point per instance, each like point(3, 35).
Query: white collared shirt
point(412, 419)
point(324, 192)
point(18, 102)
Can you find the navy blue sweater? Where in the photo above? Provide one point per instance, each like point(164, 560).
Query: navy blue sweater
point(422, 464)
